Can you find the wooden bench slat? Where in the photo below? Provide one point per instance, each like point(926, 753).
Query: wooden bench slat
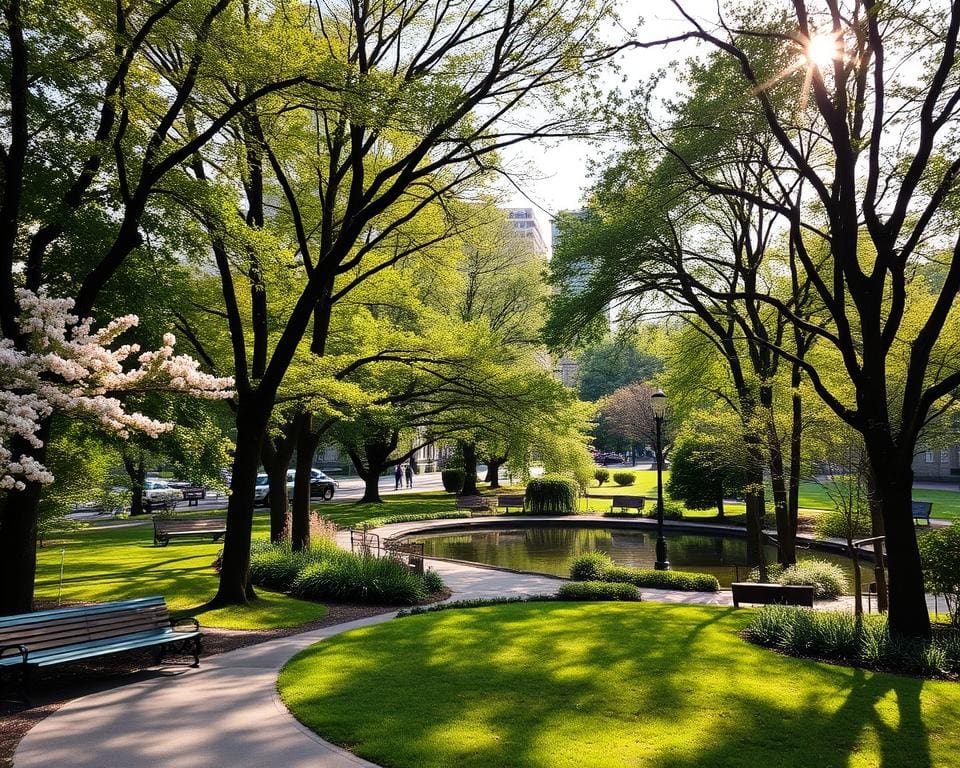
point(63, 635)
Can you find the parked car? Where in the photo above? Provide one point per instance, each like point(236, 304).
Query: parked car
point(158, 493)
point(321, 486)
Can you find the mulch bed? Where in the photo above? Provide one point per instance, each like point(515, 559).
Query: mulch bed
point(53, 688)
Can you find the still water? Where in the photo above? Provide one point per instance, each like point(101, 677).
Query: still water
point(550, 549)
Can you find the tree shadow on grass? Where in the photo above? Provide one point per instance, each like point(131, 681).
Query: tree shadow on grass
point(555, 685)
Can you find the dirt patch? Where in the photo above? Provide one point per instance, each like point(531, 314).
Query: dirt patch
point(53, 688)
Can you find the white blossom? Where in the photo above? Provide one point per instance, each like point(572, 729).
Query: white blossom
point(68, 367)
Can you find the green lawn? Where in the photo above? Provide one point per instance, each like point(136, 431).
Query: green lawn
point(119, 562)
point(350, 513)
point(549, 685)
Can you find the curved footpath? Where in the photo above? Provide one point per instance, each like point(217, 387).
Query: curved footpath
point(227, 712)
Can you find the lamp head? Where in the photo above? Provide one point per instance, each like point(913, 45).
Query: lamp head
point(658, 403)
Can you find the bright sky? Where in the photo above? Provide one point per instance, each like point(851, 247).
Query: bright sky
point(554, 177)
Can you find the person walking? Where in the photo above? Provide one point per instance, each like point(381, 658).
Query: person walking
point(398, 478)
point(409, 473)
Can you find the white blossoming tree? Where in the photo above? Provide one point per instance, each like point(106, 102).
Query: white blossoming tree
point(67, 367)
point(63, 365)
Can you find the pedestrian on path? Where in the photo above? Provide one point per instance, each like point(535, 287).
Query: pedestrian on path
point(398, 478)
point(409, 473)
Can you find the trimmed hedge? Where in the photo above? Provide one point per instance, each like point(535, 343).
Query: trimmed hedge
point(453, 480)
point(376, 522)
point(598, 590)
point(597, 566)
point(552, 496)
point(601, 475)
point(325, 572)
point(624, 478)
point(838, 636)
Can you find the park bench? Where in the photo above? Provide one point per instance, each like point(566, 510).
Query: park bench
point(767, 594)
point(193, 496)
point(160, 505)
point(407, 552)
point(921, 510)
point(166, 529)
point(477, 503)
point(30, 641)
point(623, 503)
point(511, 501)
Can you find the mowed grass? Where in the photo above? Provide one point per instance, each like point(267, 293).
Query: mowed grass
point(118, 563)
point(349, 513)
point(548, 685)
point(813, 496)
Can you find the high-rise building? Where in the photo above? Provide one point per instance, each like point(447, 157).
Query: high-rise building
point(525, 225)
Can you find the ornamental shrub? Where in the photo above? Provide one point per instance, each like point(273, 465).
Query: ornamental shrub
point(432, 582)
point(828, 580)
point(598, 566)
point(624, 478)
point(453, 480)
point(598, 590)
point(836, 525)
point(551, 495)
point(590, 566)
point(601, 475)
point(940, 557)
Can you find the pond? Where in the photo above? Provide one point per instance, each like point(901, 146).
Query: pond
point(550, 549)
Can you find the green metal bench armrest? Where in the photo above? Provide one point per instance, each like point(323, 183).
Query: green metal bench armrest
point(186, 619)
point(21, 649)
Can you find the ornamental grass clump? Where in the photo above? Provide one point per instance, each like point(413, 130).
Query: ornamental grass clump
point(326, 573)
point(598, 590)
point(840, 636)
point(827, 579)
point(350, 578)
point(550, 495)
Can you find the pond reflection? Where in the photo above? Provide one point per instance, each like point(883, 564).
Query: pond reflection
point(550, 549)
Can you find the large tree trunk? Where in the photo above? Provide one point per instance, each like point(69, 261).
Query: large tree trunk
point(276, 455)
point(893, 476)
point(137, 473)
point(493, 470)
point(253, 414)
point(876, 521)
point(306, 447)
point(786, 533)
point(469, 451)
point(796, 436)
point(18, 534)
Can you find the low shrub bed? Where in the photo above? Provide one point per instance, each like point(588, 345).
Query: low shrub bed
point(598, 590)
point(376, 522)
point(326, 573)
point(839, 636)
point(597, 566)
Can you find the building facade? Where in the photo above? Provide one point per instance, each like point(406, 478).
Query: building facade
point(938, 464)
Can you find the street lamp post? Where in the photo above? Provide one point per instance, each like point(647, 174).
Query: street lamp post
point(658, 403)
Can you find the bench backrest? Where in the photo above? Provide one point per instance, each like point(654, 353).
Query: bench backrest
point(46, 630)
point(508, 500)
point(194, 493)
point(785, 594)
point(921, 508)
point(476, 501)
point(628, 502)
point(199, 525)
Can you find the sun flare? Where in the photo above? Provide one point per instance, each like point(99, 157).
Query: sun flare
point(821, 51)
